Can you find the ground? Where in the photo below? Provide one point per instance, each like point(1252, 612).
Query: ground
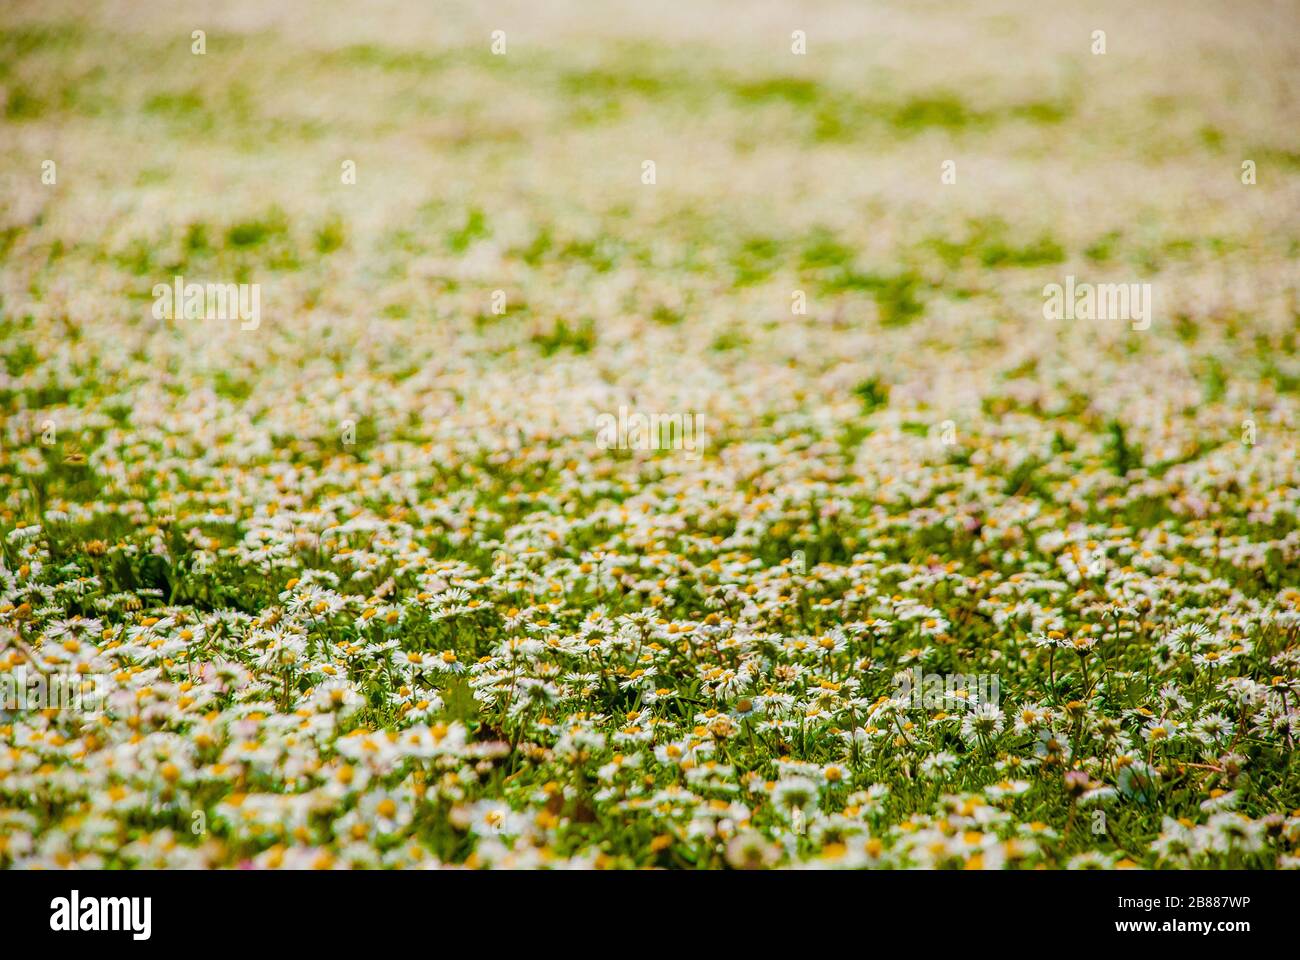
point(660, 437)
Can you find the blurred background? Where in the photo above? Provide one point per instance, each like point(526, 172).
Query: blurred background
point(775, 173)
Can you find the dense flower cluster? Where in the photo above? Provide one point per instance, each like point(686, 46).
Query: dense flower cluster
point(362, 587)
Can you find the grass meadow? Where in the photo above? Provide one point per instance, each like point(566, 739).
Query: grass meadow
point(614, 436)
